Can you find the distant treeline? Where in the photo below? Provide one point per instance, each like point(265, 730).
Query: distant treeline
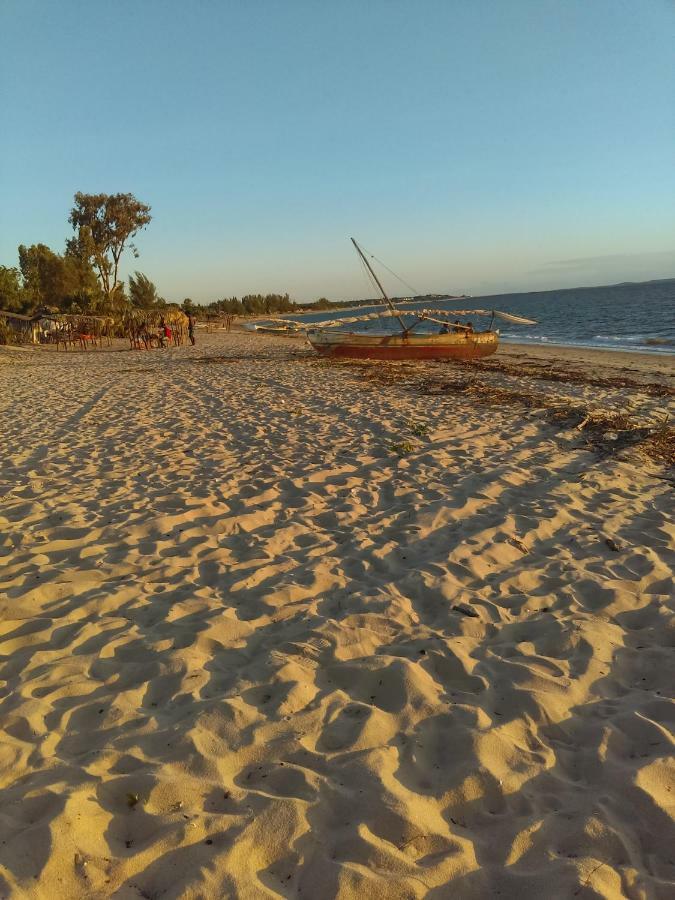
point(266, 305)
point(324, 304)
point(250, 305)
point(272, 304)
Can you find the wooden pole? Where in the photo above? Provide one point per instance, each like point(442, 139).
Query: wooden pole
point(377, 282)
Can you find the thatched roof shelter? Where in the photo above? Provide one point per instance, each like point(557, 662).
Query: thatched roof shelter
point(154, 317)
point(147, 328)
point(141, 326)
point(16, 327)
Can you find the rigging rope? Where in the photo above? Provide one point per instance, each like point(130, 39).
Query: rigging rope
point(371, 280)
point(391, 272)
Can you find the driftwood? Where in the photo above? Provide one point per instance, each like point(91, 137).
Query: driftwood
point(570, 376)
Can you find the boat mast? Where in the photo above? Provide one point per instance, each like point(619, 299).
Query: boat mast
point(377, 282)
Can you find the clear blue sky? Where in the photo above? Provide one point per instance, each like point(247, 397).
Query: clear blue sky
point(473, 146)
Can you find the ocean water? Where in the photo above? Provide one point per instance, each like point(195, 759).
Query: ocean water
point(637, 316)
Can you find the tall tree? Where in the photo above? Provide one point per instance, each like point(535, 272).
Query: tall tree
point(104, 226)
point(142, 292)
point(11, 292)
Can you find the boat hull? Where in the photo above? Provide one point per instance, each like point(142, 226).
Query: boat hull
point(397, 346)
point(282, 332)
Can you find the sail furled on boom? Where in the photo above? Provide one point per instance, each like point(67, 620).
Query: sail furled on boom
point(517, 320)
point(430, 314)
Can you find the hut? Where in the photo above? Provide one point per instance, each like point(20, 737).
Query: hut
point(16, 328)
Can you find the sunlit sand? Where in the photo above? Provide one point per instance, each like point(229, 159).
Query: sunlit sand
point(274, 627)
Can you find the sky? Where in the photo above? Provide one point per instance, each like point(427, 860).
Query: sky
point(474, 147)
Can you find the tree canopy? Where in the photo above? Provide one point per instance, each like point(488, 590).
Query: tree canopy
point(143, 293)
point(11, 290)
point(53, 280)
point(104, 225)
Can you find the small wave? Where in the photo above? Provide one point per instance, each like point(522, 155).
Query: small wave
point(645, 347)
point(620, 338)
point(525, 337)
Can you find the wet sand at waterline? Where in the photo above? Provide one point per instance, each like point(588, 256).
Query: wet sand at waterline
point(277, 627)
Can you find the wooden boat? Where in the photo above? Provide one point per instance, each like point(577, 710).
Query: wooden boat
point(403, 345)
point(453, 341)
point(281, 331)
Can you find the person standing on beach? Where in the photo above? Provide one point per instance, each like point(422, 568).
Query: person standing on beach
point(191, 328)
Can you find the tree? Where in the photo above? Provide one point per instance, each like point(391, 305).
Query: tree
point(143, 293)
point(104, 226)
point(50, 279)
point(84, 289)
point(44, 276)
point(11, 292)
point(36, 262)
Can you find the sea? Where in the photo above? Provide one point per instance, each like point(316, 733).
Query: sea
point(631, 316)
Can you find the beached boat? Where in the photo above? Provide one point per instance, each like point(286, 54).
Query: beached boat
point(454, 340)
point(404, 345)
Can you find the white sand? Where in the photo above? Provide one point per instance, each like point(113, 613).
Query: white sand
point(247, 650)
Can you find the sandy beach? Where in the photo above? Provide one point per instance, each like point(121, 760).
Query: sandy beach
point(273, 626)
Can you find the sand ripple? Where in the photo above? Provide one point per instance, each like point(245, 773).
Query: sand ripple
point(248, 650)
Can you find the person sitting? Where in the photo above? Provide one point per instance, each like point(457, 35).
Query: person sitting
point(469, 328)
point(444, 329)
point(457, 327)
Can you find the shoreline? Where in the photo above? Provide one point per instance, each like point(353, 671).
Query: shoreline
point(662, 365)
point(642, 351)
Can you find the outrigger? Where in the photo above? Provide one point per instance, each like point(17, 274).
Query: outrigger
point(453, 340)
